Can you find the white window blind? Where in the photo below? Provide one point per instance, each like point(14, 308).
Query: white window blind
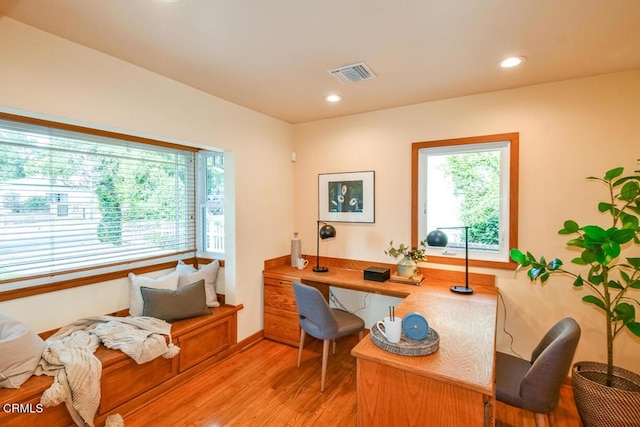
point(72, 201)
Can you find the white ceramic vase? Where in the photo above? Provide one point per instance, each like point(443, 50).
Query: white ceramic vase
point(407, 267)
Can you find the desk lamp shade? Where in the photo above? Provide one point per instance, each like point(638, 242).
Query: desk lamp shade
point(325, 231)
point(439, 239)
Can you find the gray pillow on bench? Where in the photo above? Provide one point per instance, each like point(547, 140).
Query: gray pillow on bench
point(170, 305)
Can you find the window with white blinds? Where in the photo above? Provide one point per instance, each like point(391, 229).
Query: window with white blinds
point(73, 201)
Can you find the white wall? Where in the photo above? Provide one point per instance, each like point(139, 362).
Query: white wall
point(568, 130)
point(45, 76)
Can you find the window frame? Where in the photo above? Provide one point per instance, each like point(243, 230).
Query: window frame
point(66, 280)
point(202, 204)
point(513, 139)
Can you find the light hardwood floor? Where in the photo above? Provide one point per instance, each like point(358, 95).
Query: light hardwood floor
point(260, 386)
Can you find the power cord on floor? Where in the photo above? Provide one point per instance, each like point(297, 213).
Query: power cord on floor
point(504, 327)
point(366, 302)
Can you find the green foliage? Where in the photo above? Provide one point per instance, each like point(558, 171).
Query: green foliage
point(37, 203)
point(485, 231)
point(12, 201)
point(416, 253)
point(609, 276)
point(214, 173)
point(13, 159)
point(476, 179)
point(130, 188)
point(10, 167)
point(32, 204)
point(110, 225)
point(145, 196)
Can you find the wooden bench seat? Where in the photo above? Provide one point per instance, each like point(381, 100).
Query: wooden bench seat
point(125, 385)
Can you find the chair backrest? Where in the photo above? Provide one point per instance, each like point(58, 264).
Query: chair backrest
point(551, 361)
point(316, 317)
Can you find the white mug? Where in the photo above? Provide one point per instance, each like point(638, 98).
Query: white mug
point(392, 328)
point(301, 263)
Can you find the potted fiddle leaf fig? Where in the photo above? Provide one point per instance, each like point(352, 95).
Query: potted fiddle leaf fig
point(605, 394)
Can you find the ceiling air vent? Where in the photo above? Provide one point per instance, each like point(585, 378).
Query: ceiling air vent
point(353, 73)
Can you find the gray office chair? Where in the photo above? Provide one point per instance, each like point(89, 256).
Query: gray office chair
point(535, 386)
point(322, 322)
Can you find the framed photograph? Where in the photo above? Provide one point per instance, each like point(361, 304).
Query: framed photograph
point(346, 197)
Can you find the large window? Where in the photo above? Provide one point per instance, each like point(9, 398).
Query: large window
point(74, 201)
point(470, 182)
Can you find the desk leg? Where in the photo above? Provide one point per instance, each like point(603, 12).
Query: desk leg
point(490, 411)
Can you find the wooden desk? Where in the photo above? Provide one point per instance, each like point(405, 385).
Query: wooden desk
point(454, 386)
point(280, 311)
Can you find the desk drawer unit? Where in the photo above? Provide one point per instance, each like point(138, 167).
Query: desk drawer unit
point(281, 326)
point(280, 310)
point(279, 294)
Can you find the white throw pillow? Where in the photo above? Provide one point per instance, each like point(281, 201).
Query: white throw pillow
point(183, 270)
point(20, 352)
point(208, 273)
point(136, 303)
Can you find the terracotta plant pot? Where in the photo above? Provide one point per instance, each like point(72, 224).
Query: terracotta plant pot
point(603, 406)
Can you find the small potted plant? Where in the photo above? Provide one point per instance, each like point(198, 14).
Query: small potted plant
point(411, 256)
point(605, 394)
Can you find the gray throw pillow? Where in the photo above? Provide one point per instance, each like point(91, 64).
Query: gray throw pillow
point(170, 305)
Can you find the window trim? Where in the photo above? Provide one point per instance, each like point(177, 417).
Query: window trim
point(514, 140)
point(92, 131)
point(59, 285)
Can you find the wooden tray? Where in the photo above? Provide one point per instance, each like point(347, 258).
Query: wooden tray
point(406, 346)
point(416, 279)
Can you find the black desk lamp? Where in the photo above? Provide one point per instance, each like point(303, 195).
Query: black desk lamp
point(438, 238)
point(325, 232)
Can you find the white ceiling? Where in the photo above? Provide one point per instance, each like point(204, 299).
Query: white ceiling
point(273, 56)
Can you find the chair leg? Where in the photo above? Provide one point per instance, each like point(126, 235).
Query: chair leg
point(552, 419)
point(360, 335)
point(302, 336)
point(325, 356)
point(334, 347)
point(540, 420)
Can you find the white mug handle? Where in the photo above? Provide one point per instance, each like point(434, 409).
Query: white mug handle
point(380, 322)
point(306, 262)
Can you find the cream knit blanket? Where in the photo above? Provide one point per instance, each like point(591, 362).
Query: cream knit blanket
point(68, 356)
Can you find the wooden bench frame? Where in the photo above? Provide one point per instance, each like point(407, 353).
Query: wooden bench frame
point(125, 385)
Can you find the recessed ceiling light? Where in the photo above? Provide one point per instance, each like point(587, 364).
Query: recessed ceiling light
point(511, 61)
point(333, 98)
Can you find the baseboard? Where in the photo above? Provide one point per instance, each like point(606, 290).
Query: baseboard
point(249, 341)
